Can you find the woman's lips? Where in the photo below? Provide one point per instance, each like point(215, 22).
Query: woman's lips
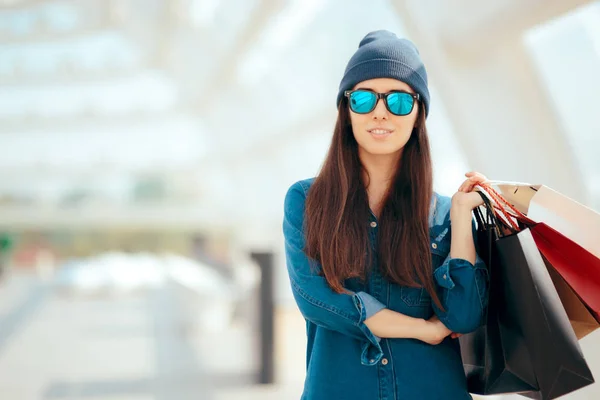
point(380, 133)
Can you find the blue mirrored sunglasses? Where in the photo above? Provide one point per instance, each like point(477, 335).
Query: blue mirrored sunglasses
point(363, 101)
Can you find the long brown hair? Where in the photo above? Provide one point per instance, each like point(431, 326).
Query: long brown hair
point(337, 213)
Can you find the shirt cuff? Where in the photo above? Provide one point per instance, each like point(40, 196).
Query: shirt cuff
point(442, 276)
point(371, 305)
point(371, 349)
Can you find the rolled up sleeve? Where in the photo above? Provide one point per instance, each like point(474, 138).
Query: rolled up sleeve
point(463, 290)
point(318, 303)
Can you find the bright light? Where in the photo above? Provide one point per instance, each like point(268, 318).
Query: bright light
point(202, 12)
point(281, 32)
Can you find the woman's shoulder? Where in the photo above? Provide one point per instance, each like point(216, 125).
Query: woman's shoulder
point(302, 185)
point(296, 196)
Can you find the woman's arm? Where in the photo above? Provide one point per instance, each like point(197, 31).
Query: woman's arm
point(346, 313)
point(462, 279)
point(391, 324)
point(462, 243)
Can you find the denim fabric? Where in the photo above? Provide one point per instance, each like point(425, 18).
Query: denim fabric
point(345, 360)
point(371, 304)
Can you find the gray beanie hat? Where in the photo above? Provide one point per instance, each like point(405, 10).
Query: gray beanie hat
point(381, 54)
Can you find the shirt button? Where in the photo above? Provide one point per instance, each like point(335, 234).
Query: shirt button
point(373, 224)
point(444, 276)
point(434, 245)
point(384, 361)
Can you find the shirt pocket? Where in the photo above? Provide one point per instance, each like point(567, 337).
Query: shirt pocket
point(415, 296)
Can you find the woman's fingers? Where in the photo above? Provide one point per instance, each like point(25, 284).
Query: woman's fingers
point(476, 176)
point(473, 179)
point(467, 185)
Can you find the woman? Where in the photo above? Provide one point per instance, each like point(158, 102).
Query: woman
point(384, 284)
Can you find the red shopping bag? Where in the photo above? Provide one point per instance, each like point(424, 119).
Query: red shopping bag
point(578, 268)
point(543, 204)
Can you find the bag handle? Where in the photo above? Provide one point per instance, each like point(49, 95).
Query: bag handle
point(491, 219)
point(500, 200)
point(502, 218)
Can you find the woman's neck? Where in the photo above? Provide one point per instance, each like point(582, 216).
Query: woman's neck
point(378, 172)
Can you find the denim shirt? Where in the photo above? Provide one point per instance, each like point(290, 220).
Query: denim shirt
point(344, 359)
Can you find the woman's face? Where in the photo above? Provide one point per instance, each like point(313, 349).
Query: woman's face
point(381, 132)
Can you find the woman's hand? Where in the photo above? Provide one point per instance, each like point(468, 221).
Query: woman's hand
point(463, 202)
point(435, 331)
point(465, 197)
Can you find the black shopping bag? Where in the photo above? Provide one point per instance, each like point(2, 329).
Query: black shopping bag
point(533, 326)
point(495, 356)
point(557, 359)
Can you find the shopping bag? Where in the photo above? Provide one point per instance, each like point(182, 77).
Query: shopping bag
point(557, 359)
point(543, 204)
point(578, 267)
point(580, 317)
point(495, 356)
point(533, 305)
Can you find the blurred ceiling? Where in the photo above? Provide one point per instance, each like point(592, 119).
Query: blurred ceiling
point(201, 95)
point(197, 104)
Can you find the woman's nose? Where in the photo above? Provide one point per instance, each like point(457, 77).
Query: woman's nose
point(380, 112)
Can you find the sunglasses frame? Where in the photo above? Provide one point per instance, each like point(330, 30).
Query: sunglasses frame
point(384, 96)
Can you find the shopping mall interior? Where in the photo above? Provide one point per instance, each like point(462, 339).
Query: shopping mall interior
point(147, 147)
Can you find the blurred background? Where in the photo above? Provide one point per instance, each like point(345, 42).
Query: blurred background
point(146, 148)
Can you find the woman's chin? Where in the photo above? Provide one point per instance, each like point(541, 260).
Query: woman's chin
point(382, 150)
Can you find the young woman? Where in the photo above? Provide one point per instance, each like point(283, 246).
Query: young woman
point(383, 269)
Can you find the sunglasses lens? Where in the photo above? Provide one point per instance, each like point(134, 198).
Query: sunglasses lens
point(400, 103)
point(362, 102)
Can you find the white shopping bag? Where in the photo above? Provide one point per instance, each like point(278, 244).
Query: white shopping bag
point(543, 204)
